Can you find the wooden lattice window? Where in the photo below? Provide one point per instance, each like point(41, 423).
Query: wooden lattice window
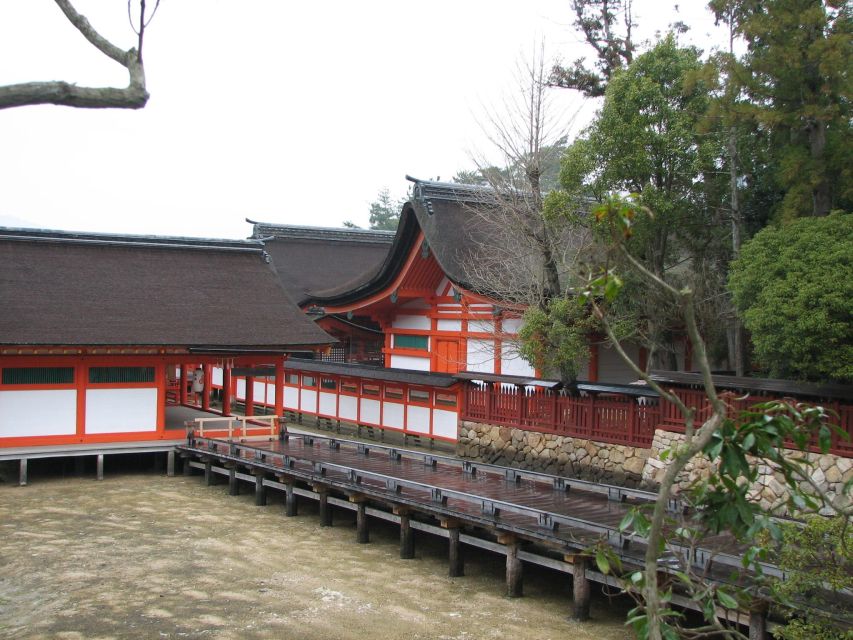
point(104, 375)
point(38, 375)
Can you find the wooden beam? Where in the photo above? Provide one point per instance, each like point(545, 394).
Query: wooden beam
point(581, 590)
point(291, 506)
point(170, 463)
point(457, 562)
point(209, 476)
point(407, 535)
point(514, 568)
point(325, 509)
point(260, 489)
point(362, 527)
point(233, 482)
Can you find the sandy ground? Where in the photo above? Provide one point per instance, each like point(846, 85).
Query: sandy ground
point(145, 556)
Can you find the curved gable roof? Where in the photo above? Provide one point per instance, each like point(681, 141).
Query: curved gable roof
point(316, 258)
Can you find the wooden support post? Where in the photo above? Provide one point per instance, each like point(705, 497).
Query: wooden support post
point(362, 530)
point(250, 396)
point(226, 389)
point(100, 467)
point(514, 566)
point(580, 588)
point(170, 463)
point(260, 490)
point(205, 392)
point(407, 537)
point(185, 464)
point(291, 507)
point(209, 476)
point(325, 509)
point(233, 482)
point(279, 387)
point(758, 622)
point(22, 472)
point(457, 562)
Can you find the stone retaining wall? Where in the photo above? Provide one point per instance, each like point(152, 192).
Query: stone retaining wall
point(625, 465)
point(549, 453)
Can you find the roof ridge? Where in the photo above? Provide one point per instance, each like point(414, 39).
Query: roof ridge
point(308, 232)
point(92, 237)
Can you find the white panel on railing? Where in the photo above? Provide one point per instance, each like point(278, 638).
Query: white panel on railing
point(481, 356)
point(259, 389)
point(411, 322)
point(328, 404)
point(309, 401)
point(348, 408)
point(38, 413)
point(216, 376)
point(121, 410)
point(241, 388)
point(410, 362)
point(291, 398)
point(444, 423)
point(392, 415)
point(369, 411)
point(449, 325)
point(417, 419)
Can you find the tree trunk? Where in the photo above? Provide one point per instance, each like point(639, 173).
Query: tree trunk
point(821, 199)
point(737, 325)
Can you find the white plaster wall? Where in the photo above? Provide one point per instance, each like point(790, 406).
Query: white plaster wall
point(417, 419)
point(49, 412)
point(121, 410)
point(348, 408)
point(369, 411)
point(449, 325)
point(511, 325)
point(444, 423)
point(411, 322)
point(392, 415)
point(291, 398)
point(409, 362)
point(259, 391)
point(481, 326)
point(328, 404)
point(481, 356)
point(513, 364)
point(611, 368)
point(216, 376)
point(309, 401)
point(270, 392)
point(241, 388)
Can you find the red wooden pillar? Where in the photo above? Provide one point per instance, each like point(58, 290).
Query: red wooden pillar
point(205, 392)
point(81, 373)
point(593, 363)
point(182, 379)
point(160, 381)
point(226, 389)
point(250, 396)
point(279, 387)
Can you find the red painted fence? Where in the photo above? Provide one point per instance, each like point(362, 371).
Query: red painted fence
point(609, 417)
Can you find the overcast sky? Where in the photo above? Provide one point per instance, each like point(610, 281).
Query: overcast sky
point(290, 112)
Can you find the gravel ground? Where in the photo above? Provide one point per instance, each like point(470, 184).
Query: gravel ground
point(145, 556)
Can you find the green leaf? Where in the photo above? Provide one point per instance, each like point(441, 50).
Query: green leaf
point(602, 562)
point(726, 600)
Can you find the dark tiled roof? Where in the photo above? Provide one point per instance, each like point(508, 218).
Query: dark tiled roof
point(768, 386)
point(309, 259)
point(61, 288)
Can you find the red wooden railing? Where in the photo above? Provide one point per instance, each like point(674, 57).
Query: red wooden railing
point(611, 417)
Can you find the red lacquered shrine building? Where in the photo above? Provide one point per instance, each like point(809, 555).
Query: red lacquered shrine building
point(430, 294)
point(101, 335)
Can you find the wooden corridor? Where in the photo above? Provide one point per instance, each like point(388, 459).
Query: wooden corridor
point(525, 516)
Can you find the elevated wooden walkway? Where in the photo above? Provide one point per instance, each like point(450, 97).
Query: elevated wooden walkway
point(526, 516)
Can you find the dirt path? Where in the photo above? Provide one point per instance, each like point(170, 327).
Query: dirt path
point(145, 556)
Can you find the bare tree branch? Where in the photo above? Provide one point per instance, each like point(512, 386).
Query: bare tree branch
point(134, 96)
